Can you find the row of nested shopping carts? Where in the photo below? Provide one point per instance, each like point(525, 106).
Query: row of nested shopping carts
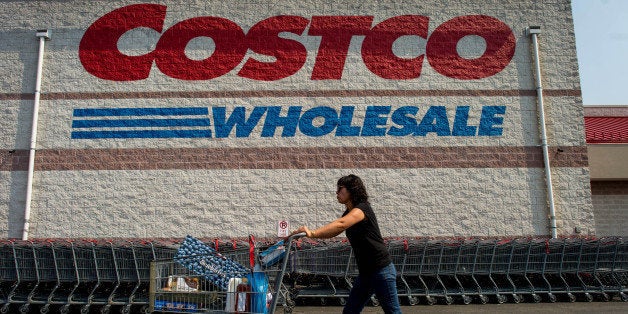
point(468, 270)
point(87, 276)
point(78, 275)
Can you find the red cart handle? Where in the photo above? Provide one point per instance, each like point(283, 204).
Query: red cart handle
point(252, 251)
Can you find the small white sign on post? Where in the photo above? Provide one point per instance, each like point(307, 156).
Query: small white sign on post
point(283, 228)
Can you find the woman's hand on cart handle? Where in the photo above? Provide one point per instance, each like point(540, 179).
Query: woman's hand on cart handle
point(304, 231)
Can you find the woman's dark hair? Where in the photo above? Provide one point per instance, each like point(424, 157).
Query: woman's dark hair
point(356, 188)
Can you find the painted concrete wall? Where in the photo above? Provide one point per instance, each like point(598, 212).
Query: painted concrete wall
point(220, 119)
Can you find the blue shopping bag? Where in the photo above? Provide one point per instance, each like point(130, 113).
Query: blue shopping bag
point(261, 298)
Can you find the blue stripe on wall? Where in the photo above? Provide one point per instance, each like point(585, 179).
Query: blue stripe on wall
point(104, 112)
point(142, 134)
point(139, 123)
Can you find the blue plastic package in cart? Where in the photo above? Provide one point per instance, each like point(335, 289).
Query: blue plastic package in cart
point(203, 260)
point(273, 254)
point(175, 306)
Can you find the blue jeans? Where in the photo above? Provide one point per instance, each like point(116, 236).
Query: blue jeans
point(383, 283)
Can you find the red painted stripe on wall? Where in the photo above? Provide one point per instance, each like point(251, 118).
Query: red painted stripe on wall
point(295, 93)
point(293, 158)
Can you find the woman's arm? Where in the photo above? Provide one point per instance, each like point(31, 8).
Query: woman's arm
point(335, 227)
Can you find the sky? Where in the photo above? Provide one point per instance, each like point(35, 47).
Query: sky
point(601, 28)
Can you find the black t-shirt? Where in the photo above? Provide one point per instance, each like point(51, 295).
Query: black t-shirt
point(366, 240)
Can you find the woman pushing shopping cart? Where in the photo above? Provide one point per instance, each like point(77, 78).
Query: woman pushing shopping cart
point(377, 274)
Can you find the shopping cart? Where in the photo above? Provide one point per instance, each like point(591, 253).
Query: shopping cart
point(26, 271)
point(469, 288)
point(127, 281)
point(399, 250)
point(8, 274)
point(144, 254)
point(483, 271)
point(451, 270)
point(516, 272)
point(472, 257)
point(575, 258)
point(620, 268)
point(411, 271)
point(196, 283)
point(534, 268)
point(86, 276)
point(500, 271)
point(611, 267)
point(552, 271)
point(46, 275)
point(66, 275)
point(108, 278)
point(322, 270)
point(429, 272)
point(582, 276)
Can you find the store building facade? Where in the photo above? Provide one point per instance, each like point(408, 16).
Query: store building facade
point(607, 142)
point(220, 119)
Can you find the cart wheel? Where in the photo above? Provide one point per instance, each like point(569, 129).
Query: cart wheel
point(290, 303)
point(85, 309)
point(413, 300)
point(65, 309)
point(623, 296)
point(24, 308)
point(588, 297)
point(483, 299)
point(105, 309)
point(287, 309)
point(551, 298)
point(145, 309)
point(342, 301)
point(571, 297)
point(125, 309)
point(606, 297)
point(466, 300)
point(374, 301)
point(44, 309)
point(501, 299)
point(536, 298)
point(5, 308)
point(448, 300)
point(430, 300)
point(516, 299)
point(323, 301)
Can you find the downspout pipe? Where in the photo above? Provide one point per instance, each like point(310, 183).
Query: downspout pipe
point(533, 32)
point(43, 35)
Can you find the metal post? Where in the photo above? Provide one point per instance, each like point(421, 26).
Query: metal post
point(533, 31)
point(43, 35)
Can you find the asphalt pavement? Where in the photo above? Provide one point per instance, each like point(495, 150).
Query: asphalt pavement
point(538, 308)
